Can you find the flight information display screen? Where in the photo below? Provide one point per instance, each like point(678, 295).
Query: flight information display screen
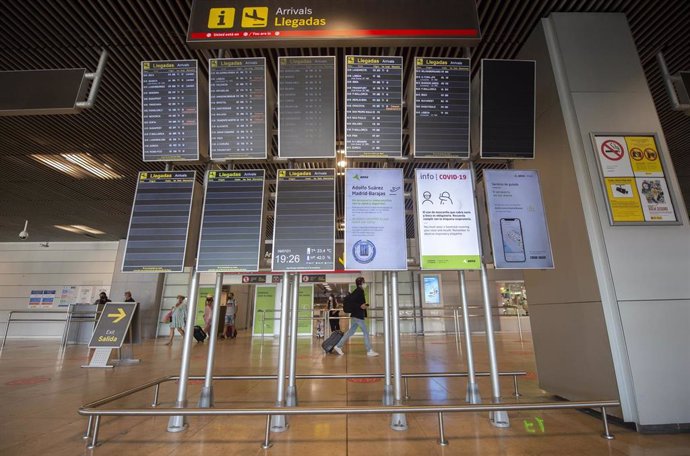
point(231, 223)
point(304, 226)
point(169, 111)
point(507, 109)
point(373, 106)
point(441, 108)
point(306, 107)
point(237, 101)
point(158, 228)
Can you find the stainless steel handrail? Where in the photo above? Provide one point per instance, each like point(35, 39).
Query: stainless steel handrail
point(67, 313)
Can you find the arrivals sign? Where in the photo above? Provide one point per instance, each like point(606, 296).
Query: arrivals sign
point(446, 220)
point(228, 23)
point(633, 178)
point(113, 324)
point(375, 234)
point(519, 234)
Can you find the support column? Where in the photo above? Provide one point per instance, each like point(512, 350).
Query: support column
point(206, 397)
point(279, 422)
point(472, 395)
point(292, 388)
point(398, 420)
point(498, 418)
point(178, 423)
point(388, 386)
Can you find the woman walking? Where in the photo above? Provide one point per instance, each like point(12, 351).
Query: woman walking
point(178, 318)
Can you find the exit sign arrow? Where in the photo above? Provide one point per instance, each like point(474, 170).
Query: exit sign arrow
point(117, 316)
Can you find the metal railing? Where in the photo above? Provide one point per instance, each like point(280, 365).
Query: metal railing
point(94, 414)
point(88, 316)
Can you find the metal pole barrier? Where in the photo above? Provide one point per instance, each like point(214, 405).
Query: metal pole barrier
point(94, 436)
point(263, 322)
point(498, 418)
point(387, 385)
point(267, 436)
point(472, 395)
point(607, 435)
point(291, 400)
point(279, 422)
point(516, 393)
point(206, 396)
point(87, 434)
point(407, 389)
point(178, 423)
point(156, 392)
point(398, 420)
point(441, 434)
point(519, 322)
point(456, 327)
point(65, 331)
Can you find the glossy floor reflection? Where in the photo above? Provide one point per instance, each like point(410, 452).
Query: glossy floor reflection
point(41, 392)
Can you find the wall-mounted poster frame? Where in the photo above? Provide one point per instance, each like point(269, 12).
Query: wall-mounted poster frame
point(632, 174)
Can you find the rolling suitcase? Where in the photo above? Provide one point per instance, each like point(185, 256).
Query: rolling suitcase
point(332, 341)
point(199, 334)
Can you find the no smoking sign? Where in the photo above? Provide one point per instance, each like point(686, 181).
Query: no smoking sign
point(612, 150)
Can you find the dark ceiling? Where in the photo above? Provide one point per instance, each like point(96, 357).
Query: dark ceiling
point(64, 34)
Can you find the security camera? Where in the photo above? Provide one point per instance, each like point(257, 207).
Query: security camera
point(23, 234)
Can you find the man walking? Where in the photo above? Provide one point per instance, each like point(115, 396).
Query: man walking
point(358, 307)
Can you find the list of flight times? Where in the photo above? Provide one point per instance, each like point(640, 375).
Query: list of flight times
point(373, 106)
point(442, 108)
point(169, 110)
point(238, 108)
point(306, 107)
point(304, 227)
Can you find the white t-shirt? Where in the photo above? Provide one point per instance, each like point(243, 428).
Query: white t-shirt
point(232, 307)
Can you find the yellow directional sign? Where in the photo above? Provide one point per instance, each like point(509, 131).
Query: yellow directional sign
point(118, 316)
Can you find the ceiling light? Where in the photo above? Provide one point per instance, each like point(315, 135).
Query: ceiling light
point(68, 228)
point(342, 163)
point(79, 229)
point(77, 165)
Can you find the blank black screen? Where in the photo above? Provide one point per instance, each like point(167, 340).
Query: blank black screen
point(507, 115)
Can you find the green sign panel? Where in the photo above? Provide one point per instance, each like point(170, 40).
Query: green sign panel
point(265, 300)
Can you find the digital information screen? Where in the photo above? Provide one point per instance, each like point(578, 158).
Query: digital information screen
point(507, 109)
point(441, 108)
point(373, 106)
point(231, 223)
point(158, 228)
point(169, 110)
point(238, 108)
point(304, 227)
point(306, 107)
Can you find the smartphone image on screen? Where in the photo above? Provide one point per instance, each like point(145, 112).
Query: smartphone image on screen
point(511, 235)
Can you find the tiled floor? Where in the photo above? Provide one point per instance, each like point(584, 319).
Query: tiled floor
point(40, 392)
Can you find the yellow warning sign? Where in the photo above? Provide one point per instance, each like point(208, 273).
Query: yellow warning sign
point(624, 200)
point(221, 18)
point(644, 156)
point(254, 17)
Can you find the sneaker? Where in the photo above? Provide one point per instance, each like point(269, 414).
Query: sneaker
point(338, 351)
point(372, 353)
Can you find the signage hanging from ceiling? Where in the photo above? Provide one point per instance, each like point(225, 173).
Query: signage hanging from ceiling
point(227, 23)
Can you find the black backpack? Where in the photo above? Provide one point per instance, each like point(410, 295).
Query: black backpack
point(349, 305)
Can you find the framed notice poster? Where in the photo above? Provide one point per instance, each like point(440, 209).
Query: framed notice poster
point(517, 222)
point(633, 179)
point(446, 220)
point(375, 232)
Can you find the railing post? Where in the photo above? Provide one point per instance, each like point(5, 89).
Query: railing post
point(156, 391)
point(607, 435)
point(267, 436)
point(472, 396)
point(515, 387)
point(206, 396)
point(94, 436)
point(387, 385)
point(398, 420)
point(87, 434)
point(279, 423)
point(291, 399)
point(441, 433)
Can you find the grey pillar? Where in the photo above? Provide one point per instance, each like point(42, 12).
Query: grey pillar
point(498, 418)
point(206, 397)
point(279, 422)
point(388, 386)
point(398, 420)
point(178, 423)
point(472, 395)
point(292, 388)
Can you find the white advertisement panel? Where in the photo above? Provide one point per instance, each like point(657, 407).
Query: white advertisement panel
point(375, 235)
point(446, 220)
point(519, 234)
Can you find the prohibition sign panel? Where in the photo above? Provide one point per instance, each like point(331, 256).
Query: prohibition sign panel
point(612, 153)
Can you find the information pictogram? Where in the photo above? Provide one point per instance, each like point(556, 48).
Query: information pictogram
point(651, 154)
point(636, 154)
point(255, 17)
point(612, 150)
point(221, 18)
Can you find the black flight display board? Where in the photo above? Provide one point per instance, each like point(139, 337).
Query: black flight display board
point(373, 106)
point(306, 107)
point(441, 125)
point(231, 223)
point(169, 111)
point(238, 108)
point(507, 109)
point(158, 228)
point(304, 226)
